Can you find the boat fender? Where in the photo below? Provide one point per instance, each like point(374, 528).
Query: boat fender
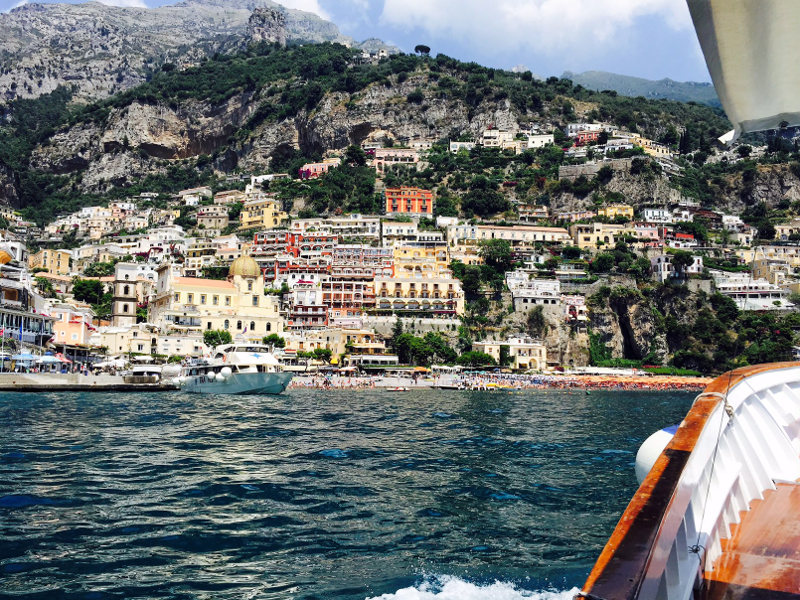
point(226, 372)
point(220, 377)
point(651, 449)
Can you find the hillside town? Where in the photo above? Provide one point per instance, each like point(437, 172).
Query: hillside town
point(152, 277)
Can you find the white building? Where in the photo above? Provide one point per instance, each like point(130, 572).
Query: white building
point(540, 140)
point(657, 215)
point(749, 293)
point(662, 268)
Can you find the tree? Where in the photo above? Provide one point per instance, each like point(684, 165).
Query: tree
point(603, 262)
point(99, 269)
point(90, 291)
point(355, 156)
point(682, 260)
point(274, 340)
point(497, 254)
point(422, 49)
point(217, 337)
point(766, 231)
point(322, 354)
point(45, 287)
point(476, 359)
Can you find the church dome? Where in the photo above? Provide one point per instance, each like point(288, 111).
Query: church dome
point(244, 266)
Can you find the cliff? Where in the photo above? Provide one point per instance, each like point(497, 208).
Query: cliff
point(102, 50)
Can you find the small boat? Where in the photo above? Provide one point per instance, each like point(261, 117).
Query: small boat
point(398, 388)
point(237, 369)
point(717, 514)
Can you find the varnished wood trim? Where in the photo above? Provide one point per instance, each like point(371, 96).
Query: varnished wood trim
point(620, 569)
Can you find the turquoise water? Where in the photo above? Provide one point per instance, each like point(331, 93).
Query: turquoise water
point(339, 494)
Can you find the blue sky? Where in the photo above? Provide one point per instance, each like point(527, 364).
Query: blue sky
point(645, 38)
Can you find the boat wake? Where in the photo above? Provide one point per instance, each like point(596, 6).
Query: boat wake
point(446, 587)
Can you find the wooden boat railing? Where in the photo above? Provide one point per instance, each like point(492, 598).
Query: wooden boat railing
point(741, 436)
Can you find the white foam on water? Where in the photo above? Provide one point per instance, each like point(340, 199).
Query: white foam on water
point(446, 587)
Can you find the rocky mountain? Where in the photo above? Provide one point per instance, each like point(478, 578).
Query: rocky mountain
point(682, 91)
point(241, 111)
point(103, 50)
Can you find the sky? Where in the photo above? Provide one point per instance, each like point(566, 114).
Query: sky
point(645, 38)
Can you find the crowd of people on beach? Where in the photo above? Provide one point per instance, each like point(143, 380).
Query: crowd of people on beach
point(503, 381)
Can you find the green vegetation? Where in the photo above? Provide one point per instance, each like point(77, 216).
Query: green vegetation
point(702, 333)
point(274, 340)
point(92, 291)
point(217, 337)
point(282, 82)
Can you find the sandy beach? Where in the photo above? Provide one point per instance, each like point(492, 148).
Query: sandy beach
point(498, 382)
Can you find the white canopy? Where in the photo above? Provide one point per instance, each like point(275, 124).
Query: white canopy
point(751, 49)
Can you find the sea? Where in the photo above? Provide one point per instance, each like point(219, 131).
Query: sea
point(346, 494)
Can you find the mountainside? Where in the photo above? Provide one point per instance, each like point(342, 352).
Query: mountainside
point(682, 91)
point(102, 50)
point(242, 111)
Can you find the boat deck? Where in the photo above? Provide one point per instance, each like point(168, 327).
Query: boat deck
point(762, 557)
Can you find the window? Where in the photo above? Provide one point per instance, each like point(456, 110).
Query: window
point(208, 325)
point(255, 300)
point(227, 300)
point(227, 324)
point(177, 297)
point(189, 298)
point(269, 326)
point(238, 325)
point(252, 325)
point(215, 300)
point(126, 290)
point(202, 298)
point(124, 308)
point(249, 285)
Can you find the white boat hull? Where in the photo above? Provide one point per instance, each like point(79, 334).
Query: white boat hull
point(238, 383)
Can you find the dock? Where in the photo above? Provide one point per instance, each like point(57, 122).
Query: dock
point(75, 382)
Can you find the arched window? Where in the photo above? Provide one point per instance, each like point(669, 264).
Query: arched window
point(269, 326)
point(238, 325)
point(252, 325)
point(249, 285)
point(127, 290)
point(124, 308)
point(227, 324)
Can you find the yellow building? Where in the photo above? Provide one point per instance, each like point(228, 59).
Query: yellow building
point(590, 236)
point(238, 304)
point(414, 255)
point(338, 341)
point(613, 211)
point(524, 353)
point(55, 262)
point(262, 213)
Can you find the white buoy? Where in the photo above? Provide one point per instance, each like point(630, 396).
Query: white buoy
point(651, 449)
point(220, 377)
point(226, 372)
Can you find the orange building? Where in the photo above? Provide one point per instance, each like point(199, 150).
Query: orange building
point(409, 200)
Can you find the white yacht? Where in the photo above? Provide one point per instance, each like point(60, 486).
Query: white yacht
point(237, 369)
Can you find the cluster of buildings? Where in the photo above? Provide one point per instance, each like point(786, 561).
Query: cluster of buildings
point(242, 264)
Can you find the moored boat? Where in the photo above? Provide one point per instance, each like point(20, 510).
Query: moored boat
point(718, 515)
point(237, 369)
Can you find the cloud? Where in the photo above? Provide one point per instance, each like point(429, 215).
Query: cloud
point(124, 3)
point(311, 6)
point(565, 27)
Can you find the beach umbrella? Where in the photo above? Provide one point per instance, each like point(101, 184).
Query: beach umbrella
point(47, 359)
